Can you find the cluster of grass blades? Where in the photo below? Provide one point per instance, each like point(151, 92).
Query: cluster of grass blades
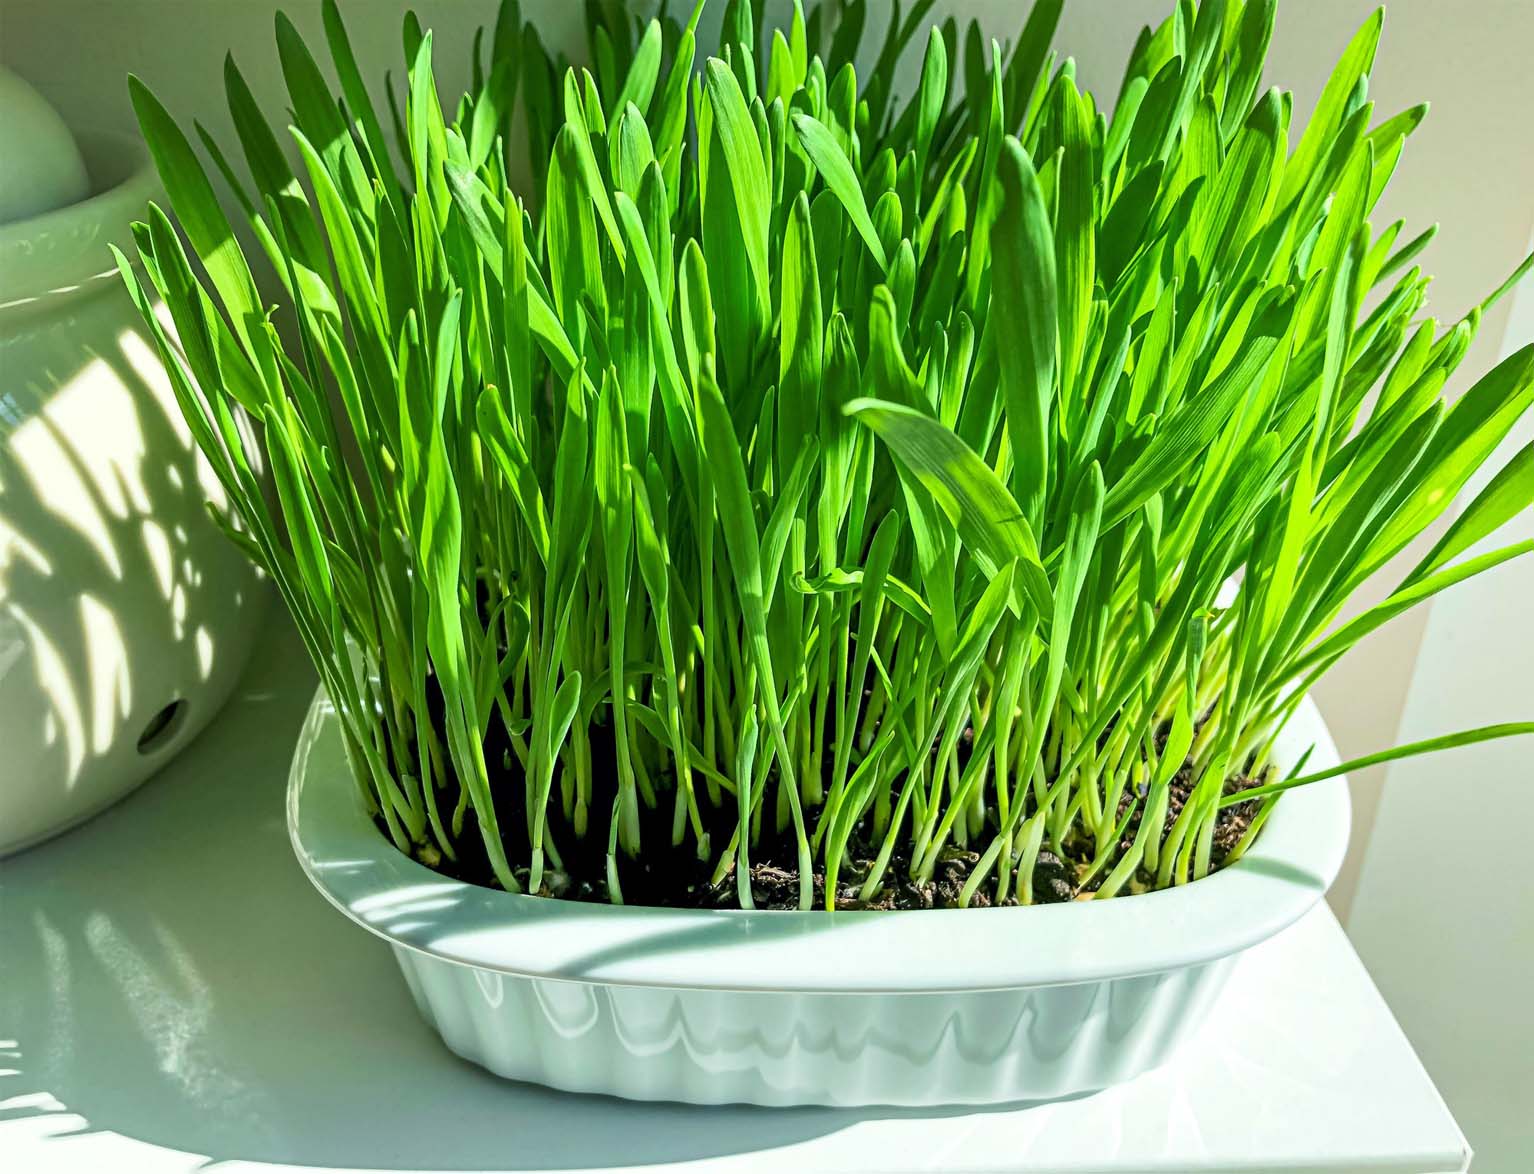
point(798, 469)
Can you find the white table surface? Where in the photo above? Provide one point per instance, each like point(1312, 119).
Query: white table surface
point(174, 997)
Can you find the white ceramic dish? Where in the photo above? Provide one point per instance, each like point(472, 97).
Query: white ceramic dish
point(862, 1008)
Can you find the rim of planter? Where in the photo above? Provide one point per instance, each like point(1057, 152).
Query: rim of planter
point(65, 250)
point(1286, 871)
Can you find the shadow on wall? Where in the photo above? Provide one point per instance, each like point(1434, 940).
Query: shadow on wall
point(170, 976)
point(125, 616)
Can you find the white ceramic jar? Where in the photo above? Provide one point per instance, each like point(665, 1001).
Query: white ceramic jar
point(917, 1008)
point(125, 615)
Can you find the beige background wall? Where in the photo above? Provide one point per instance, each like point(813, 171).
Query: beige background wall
point(1470, 166)
point(1451, 968)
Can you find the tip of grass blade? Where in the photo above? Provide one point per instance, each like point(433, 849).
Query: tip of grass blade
point(1507, 286)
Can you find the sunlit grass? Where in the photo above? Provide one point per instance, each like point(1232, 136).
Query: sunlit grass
point(822, 467)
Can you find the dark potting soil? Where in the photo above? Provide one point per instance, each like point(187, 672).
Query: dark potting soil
point(775, 884)
point(676, 878)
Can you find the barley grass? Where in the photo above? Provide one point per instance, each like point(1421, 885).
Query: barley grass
point(814, 464)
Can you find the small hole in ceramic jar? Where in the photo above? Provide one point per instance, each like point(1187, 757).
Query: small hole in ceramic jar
point(161, 728)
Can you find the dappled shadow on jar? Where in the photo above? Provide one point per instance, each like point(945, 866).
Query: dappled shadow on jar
point(125, 616)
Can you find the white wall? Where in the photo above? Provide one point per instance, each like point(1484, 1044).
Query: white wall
point(1470, 166)
point(1444, 915)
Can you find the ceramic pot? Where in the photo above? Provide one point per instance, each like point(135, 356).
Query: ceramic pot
point(921, 1008)
point(125, 615)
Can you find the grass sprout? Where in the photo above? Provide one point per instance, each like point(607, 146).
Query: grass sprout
point(795, 472)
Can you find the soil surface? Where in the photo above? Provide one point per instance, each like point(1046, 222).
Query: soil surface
point(676, 878)
point(775, 884)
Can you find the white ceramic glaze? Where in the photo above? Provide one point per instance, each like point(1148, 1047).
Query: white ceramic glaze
point(44, 169)
point(120, 601)
point(860, 1008)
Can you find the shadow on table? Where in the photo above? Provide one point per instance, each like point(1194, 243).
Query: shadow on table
point(170, 976)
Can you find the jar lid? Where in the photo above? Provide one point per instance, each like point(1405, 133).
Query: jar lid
point(44, 169)
point(64, 251)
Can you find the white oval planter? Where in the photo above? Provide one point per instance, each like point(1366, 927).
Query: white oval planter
point(929, 1007)
point(125, 615)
